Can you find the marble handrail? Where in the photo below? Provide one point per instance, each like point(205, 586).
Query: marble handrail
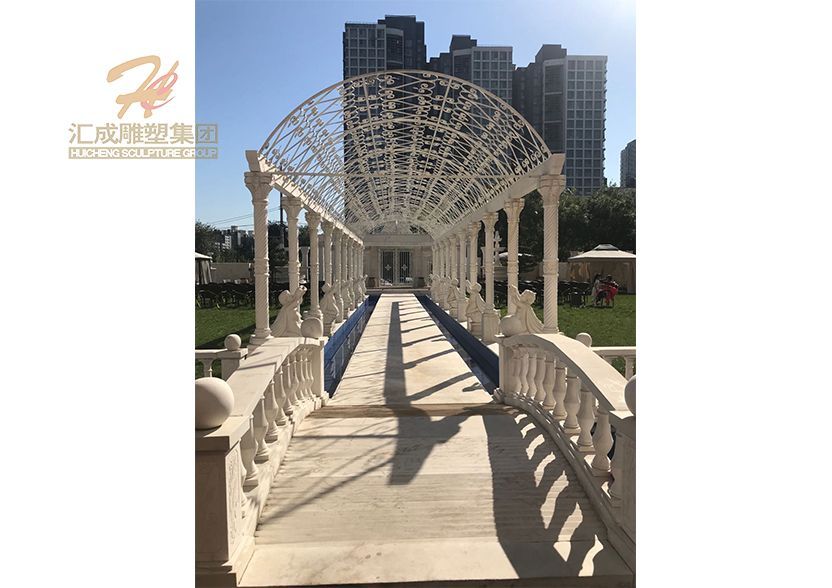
point(627, 354)
point(274, 388)
point(230, 357)
point(578, 397)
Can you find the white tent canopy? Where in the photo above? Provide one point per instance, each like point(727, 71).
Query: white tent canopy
point(203, 268)
point(606, 260)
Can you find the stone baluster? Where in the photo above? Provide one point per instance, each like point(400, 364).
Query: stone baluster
point(628, 367)
point(292, 380)
point(207, 367)
point(559, 412)
point(550, 188)
point(513, 210)
point(531, 373)
point(248, 449)
point(259, 184)
point(490, 316)
point(548, 382)
point(273, 411)
point(261, 426)
point(523, 364)
point(514, 384)
point(602, 440)
point(286, 389)
point(572, 403)
point(586, 418)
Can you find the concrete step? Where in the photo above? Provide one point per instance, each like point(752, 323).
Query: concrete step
point(449, 563)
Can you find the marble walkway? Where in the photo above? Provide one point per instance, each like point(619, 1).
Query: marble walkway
point(412, 476)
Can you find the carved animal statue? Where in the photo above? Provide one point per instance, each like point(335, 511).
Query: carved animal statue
point(476, 305)
point(287, 323)
point(453, 296)
point(524, 320)
point(329, 305)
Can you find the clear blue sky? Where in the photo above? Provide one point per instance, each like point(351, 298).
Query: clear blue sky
point(256, 61)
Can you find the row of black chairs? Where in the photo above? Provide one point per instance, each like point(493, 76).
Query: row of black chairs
point(573, 293)
point(229, 295)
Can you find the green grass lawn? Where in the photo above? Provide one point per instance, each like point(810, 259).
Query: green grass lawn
point(608, 326)
point(214, 324)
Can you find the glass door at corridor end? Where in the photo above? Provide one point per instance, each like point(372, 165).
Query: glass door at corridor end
point(396, 267)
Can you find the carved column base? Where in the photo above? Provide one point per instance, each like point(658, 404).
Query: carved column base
point(258, 338)
point(490, 326)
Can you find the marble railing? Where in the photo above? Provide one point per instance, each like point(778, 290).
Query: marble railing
point(588, 408)
point(229, 357)
point(626, 354)
point(244, 426)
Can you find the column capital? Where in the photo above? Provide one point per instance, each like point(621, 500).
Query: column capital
point(259, 184)
point(313, 219)
point(513, 209)
point(550, 187)
point(474, 229)
point(489, 219)
point(326, 227)
point(292, 205)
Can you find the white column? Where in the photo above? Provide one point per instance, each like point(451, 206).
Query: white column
point(259, 184)
point(473, 233)
point(336, 265)
point(462, 301)
point(513, 209)
point(550, 189)
point(490, 317)
point(293, 206)
point(345, 272)
point(313, 219)
point(326, 227)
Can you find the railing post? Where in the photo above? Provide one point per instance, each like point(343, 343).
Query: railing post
point(623, 467)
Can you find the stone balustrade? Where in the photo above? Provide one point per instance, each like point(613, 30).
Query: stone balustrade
point(229, 357)
point(251, 418)
point(588, 408)
point(626, 354)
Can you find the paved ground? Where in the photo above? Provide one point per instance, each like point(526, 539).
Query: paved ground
point(411, 474)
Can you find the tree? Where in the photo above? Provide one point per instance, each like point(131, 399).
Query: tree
point(206, 238)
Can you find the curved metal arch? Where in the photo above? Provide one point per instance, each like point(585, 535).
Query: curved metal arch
point(414, 146)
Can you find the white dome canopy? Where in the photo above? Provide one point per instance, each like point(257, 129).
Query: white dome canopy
point(416, 148)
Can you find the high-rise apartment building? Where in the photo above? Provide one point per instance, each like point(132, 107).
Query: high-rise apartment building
point(564, 98)
point(394, 42)
point(489, 67)
point(628, 165)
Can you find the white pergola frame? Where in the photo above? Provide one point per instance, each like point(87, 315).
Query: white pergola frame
point(418, 147)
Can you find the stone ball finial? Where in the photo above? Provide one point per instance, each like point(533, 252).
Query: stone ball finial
point(233, 342)
point(214, 401)
point(584, 338)
point(630, 394)
point(511, 325)
point(312, 327)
